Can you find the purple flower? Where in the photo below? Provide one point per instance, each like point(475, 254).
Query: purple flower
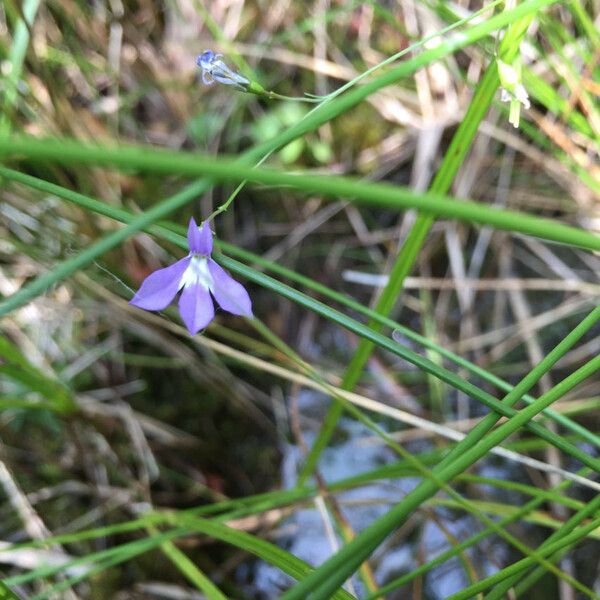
point(214, 69)
point(199, 276)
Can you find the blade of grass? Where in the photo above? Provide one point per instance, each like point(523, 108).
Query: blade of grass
point(367, 193)
point(501, 588)
point(269, 552)
point(331, 109)
point(191, 572)
point(70, 266)
point(284, 560)
point(127, 549)
point(17, 367)
point(227, 510)
point(16, 59)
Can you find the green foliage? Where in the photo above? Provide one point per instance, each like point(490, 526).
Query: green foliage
point(31, 388)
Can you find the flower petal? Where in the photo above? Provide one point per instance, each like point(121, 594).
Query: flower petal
point(159, 288)
point(200, 239)
point(231, 295)
point(196, 307)
point(205, 246)
point(205, 59)
point(193, 235)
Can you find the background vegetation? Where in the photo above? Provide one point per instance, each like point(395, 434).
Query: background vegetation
point(413, 413)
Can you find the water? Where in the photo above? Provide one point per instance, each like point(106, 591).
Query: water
point(304, 534)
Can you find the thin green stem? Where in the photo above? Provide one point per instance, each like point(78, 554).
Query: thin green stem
point(189, 569)
point(365, 193)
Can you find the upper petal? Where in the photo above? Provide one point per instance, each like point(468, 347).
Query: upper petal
point(206, 240)
point(196, 308)
point(205, 59)
point(159, 288)
point(193, 235)
point(231, 295)
point(200, 239)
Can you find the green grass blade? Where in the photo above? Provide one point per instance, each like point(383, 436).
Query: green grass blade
point(15, 366)
point(191, 572)
point(367, 194)
point(16, 59)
